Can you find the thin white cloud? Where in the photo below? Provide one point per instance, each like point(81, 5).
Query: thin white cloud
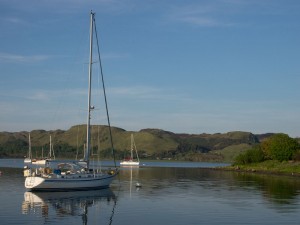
point(201, 117)
point(183, 113)
point(16, 58)
point(41, 96)
point(200, 14)
point(116, 55)
point(71, 6)
point(14, 20)
point(220, 13)
point(148, 93)
point(201, 21)
point(136, 91)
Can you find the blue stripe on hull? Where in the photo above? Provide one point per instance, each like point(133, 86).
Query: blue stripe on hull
point(74, 180)
point(68, 189)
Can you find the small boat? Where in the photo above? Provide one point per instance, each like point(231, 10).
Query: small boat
point(77, 175)
point(131, 161)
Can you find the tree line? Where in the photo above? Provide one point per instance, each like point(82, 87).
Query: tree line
point(278, 147)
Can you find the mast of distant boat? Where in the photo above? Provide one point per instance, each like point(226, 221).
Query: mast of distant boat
point(30, 153)
point(51, 152)
point(133, 146)
point(50, 148)
point(131, 152)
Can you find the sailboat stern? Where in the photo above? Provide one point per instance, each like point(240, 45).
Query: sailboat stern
point(32, 182)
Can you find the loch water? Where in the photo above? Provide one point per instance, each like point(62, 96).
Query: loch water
point(171, 193)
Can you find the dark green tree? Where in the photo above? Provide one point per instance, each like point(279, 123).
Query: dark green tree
point(281, 147)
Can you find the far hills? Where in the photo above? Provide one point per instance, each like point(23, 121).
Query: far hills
point(151, 143)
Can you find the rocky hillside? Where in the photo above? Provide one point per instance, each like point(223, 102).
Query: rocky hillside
point(151, 143)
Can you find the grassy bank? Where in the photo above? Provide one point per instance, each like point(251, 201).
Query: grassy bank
point(270, 166)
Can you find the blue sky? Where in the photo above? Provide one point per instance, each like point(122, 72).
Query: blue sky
point(203, 66)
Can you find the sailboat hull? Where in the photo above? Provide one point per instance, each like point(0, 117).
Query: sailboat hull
point(35, 183)
point(41, 162)
point(27, 160)
point(129, 163)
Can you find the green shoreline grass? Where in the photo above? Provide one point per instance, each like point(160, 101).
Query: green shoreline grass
point(270, 166)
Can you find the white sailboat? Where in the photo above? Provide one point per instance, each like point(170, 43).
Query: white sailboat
point(131, 161)
point(73, 175)
point(43, 161)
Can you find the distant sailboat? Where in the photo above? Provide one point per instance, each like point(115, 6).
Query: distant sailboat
point(131, 161)
point(43, 161)
point(74, 175)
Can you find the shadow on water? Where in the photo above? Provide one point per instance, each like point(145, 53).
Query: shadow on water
point(277, 189)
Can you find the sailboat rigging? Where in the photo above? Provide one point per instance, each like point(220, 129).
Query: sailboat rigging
point(131, 161)
point(28, 159)
point(76, 175)
point(44, 161)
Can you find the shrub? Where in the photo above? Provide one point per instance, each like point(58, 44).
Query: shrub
point(253, 155)
point(241, 159)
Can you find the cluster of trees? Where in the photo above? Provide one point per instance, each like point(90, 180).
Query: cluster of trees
point(279, 147)
point(15, 148)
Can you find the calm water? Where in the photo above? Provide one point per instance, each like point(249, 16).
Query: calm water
point(171, 193)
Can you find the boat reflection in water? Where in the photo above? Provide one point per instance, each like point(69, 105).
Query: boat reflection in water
point(68, 204)
point(130, 174)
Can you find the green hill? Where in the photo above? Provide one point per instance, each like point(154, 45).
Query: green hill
point(151, 143)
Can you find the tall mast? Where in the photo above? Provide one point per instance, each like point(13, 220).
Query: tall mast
point(88, 133)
